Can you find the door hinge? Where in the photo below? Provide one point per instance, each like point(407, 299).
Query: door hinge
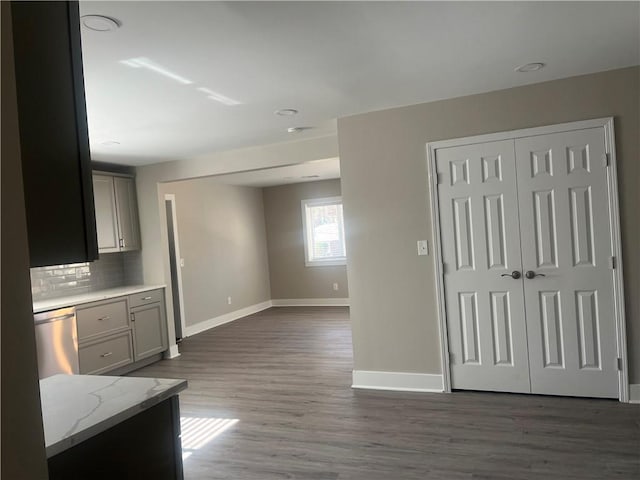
point(612, 262)
point(619, 364)
point(438, 178)
point(452, 358)
point(133, 317)
point(605, 159)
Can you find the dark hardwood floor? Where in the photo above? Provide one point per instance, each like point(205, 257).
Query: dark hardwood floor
point(285, 374)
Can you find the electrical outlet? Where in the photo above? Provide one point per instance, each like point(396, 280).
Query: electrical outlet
point(229, 300)
point(335, 287)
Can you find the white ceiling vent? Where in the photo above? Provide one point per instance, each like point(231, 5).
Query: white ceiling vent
point(100, 23)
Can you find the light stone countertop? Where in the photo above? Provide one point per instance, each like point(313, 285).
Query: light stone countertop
point(78, 407)
point(72, 300)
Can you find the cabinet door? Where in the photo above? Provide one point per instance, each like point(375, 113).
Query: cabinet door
point(54, 139)
point(149, 330)
point(127, 210)
point(106, 217)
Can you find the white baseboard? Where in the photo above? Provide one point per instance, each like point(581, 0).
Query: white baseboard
point(310, 302)
point(173, 352)
point(400, 381)
point(634, 393)
point(226, 318)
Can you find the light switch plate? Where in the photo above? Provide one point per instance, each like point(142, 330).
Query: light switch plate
point(423, 247)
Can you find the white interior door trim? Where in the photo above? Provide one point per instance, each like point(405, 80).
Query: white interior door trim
point(614, 208)
point(616, 242)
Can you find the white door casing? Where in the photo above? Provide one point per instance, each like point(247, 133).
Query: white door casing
point(564, 213)
point(568, 212)
point(481, 248)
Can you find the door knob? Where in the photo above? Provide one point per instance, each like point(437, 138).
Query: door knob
point(531, 274)
point(515, 274)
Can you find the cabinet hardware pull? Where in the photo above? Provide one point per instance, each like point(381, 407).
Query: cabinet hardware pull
point(146, 298)
point(108, 354)
point(106, 317)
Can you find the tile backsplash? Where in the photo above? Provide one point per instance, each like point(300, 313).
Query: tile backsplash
point(110, 270)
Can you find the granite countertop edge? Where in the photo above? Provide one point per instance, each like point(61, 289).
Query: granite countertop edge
point(73, 300)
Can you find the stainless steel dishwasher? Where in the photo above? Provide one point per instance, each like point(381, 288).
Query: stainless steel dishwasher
point(57, 342)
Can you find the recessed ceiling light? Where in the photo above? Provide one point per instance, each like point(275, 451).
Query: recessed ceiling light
point(297, 129)
point(530, 67)
point(109, 143)
point(286, 112)
point(100, 23)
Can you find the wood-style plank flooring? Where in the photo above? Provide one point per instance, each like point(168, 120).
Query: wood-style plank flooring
point(285, 374)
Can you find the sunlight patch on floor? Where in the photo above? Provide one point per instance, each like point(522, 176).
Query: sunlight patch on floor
point(198, 431)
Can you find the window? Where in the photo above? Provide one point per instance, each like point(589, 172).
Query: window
point(323, 231)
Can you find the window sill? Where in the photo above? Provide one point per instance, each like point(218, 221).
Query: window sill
point(325, 263)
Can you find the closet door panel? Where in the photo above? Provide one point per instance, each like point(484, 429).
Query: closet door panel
point(566, 245)
point(481, 248)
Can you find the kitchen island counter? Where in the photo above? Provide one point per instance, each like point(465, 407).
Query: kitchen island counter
point(102, 427)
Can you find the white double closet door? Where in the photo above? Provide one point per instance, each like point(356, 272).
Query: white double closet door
point(527, 248)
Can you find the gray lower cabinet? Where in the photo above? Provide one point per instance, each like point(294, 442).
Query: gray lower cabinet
point(98, 319)
point(106, 354)
point(149, 331)
point(120, 331)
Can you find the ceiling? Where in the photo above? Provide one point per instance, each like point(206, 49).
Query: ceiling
point(325, 59)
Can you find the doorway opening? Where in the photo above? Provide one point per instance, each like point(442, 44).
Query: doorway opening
point(175, 263)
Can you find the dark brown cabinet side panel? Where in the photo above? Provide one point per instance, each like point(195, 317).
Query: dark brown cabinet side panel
point(53, 133)
point(146, 446)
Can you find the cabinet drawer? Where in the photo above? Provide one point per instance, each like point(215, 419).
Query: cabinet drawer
point(114, 352)
point(145, 298)
point(102, 318)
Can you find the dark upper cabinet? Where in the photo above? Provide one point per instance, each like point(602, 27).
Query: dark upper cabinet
point(54, 138)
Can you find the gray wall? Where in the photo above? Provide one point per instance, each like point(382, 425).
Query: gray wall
point(223, 242)
point(23, 453)
point(386, 202)
point(149, 180)
point(290, 278)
